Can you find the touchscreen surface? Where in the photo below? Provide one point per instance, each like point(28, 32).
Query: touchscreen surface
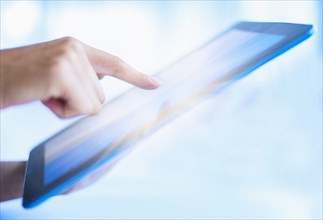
point(138, 113)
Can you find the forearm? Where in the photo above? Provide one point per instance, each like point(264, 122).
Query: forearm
point(11, 179)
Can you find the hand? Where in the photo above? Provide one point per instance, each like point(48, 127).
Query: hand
point(64, 74)
point(11, 179)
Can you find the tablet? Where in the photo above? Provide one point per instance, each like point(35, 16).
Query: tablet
point(62, 160)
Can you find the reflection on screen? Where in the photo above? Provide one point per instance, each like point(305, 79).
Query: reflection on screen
point(186, 83)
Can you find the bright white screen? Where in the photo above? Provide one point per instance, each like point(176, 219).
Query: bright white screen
point(184, 84)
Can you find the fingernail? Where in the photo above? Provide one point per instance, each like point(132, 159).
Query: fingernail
point(153, 80)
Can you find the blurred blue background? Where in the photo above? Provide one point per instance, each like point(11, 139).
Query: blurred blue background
point(254, 151)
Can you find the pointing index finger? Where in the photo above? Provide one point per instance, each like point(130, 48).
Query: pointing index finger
point(108, 64)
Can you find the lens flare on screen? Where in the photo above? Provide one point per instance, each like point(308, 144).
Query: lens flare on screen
point(123, 122)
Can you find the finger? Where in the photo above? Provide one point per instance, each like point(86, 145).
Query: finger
point(89, 76)
point(62, 109)
point(81, 101)
point(85, 96)
point(55, 105)
point(73, 99)
point(107, 64)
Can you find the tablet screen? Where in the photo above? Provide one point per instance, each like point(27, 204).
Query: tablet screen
point(65, 158)
point(138, 113)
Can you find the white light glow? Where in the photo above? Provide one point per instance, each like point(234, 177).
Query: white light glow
point(20, 18)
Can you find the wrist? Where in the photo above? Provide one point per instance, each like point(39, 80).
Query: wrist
point(5, 67)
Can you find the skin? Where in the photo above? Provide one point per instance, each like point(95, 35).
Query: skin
point(64, 75)
point(11, 179)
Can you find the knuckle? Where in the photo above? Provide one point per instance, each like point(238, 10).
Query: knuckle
point(95, 109)
point(68, 48)
point(89, 108)
point(62, 60)
point(61, 115)
point(70, 43)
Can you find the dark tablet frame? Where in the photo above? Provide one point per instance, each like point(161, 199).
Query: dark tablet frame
point(35, 192)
